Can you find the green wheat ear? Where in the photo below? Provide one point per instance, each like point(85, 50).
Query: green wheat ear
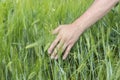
point(46, 47)
point(25, 36)
point(33, 44)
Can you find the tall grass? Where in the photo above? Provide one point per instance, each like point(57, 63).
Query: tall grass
point(25, 35)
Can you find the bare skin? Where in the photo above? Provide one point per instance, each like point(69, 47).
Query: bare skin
point(67, 35)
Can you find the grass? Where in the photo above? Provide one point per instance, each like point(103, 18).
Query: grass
point(25, 35)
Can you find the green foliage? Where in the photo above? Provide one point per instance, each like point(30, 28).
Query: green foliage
point(25, 35)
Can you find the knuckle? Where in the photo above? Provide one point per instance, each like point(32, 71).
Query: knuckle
point(68, 50)
point(70, 42)
point(54, 43)
point(64, 40)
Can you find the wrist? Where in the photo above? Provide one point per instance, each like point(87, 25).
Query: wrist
point(79, 27)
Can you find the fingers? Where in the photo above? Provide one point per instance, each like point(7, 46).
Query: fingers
point(55, 42)
point(53, 55)
point(56, 57)
point(67, 52)
point(56, 31)
point(63, 49)
point(58, 46)
point(58, 49)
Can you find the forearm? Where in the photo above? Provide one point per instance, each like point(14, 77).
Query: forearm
point(97, 10)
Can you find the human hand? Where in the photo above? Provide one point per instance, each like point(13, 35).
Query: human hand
point(67, 35)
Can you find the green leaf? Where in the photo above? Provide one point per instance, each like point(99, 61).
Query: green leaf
point(31, 75)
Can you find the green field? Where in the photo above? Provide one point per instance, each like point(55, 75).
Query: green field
point(25, 36)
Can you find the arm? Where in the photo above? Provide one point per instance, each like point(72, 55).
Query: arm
point(67, 35)
point(98, 9)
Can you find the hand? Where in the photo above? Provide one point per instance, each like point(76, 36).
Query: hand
point(67, 35)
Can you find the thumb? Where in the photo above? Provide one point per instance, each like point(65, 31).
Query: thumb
point(56, 31)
